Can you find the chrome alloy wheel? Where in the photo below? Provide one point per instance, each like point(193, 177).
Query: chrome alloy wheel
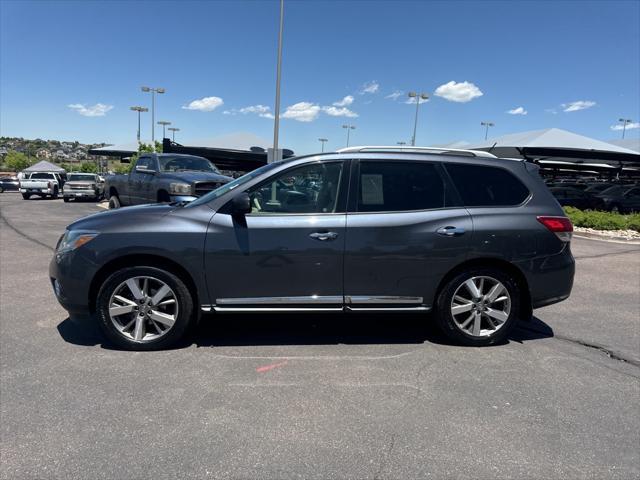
point(480, 306)
point(143, 308)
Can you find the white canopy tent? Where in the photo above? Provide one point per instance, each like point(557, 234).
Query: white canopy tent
point(44, 166)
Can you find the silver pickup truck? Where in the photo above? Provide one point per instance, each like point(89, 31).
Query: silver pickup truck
point(81, 186)
point(42, 184)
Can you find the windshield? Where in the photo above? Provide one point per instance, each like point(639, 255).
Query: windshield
point(35, 176)
point(186, 164)
point(615, 190)
point(80, 177)
point(227, 187)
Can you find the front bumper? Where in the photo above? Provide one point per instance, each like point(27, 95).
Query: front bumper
point(70, 274)
point(80, 194)
point(37, 191)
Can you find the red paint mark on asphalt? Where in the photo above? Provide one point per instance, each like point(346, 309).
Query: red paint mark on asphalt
point(266, 368)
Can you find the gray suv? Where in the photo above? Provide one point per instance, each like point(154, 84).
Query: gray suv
point(479, 241)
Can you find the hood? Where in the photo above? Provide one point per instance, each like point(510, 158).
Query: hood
point(112, 219)
point(190, 177)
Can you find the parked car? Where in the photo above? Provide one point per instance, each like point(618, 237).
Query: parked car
point(623, 200)
point(478, 240)
point(596, 188)
point(41, 184)
point(83, 186)
point(573, 197)
point(158, 177)
point(8, 184)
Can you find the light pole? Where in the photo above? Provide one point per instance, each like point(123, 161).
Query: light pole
point(625, 122)
point(153, 111)
point(486, 129)
point(173, 130)
point(276, 123)
point(418, 97)
point(164, 125)
point(322, 141)
point(401, 143)
point(139, 110)
point(349, 128)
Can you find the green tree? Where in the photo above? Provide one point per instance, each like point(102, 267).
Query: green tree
point(88, 167)
point(17, 161)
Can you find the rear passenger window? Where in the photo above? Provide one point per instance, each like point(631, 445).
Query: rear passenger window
point(399, 186)
point(481, 186)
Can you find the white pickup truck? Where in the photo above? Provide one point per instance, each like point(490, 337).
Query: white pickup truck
point(42, 184)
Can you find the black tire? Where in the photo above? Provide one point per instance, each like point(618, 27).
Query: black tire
point(114, 202)
point(26, 196)
point(1, 189)
point(66, 199)
point(174, 334)
point(445, 297)
point(54, 196)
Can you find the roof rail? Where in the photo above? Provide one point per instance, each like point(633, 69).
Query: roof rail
point(433, 150)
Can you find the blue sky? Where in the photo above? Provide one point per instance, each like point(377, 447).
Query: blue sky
point(71, 70)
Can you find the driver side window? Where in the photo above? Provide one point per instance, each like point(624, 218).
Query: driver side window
point(307, 189)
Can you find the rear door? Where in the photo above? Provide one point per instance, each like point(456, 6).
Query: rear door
point(405, 230)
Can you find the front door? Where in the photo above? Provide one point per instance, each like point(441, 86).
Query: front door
point(288, 252)
point(404, 233)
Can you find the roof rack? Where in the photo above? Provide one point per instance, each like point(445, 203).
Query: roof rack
point(434, 150)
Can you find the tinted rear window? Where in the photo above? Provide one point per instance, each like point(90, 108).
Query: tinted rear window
point(399, 186)
point(487, 186)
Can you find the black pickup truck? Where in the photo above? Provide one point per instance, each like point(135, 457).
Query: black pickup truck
point(158, 177)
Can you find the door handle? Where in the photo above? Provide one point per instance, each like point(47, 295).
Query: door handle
point(450, 231)
point(324, 236)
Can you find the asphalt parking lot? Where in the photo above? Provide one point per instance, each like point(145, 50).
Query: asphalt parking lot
point(316, 396)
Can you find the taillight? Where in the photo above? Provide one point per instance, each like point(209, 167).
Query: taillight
point(561, 226)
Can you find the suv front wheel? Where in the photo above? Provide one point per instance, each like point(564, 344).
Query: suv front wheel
point(478, 307)
point(144, 308)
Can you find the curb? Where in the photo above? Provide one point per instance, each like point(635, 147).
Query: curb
point(606, 238)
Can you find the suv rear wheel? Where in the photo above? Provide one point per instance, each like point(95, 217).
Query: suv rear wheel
point(114, 202)
point(478, 307)
point(144, 308)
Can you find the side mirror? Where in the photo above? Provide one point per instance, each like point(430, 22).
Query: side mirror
point(241, 204)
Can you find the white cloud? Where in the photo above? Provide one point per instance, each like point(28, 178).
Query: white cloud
point(517, 111)
point(394, 96)
point(339, 112)
point(206, 104)
point(551, 110)
point(458, 92)
point(412, 101)
point(369, 87)
point(97, 110)
point(630, 126)
point(302, 112)
point(261, 110)
point(345, 102)
point(577, 105)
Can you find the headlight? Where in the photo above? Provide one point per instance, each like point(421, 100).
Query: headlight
point(73, 239)
point(180, 188)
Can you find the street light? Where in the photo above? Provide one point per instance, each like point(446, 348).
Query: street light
point(139, 110)
point(173, 130)
point(322, 141)
point(276, 124)
point(625, 122)
point(401, 143)
point(349, 128)
point(418, 97)
point(164, 124)
point(153, 111)
point(486, 130)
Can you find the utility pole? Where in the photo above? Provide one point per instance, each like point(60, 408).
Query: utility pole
point(322, 141)
point(276, 124)
point(349, 128)
point(486, 130)
point(418, 97)
point(625, 122)
point(153, 111)
point(139, 110)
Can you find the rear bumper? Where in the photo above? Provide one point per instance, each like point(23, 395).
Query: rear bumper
point(550, 278)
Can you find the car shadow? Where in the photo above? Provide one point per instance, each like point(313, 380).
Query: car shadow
point(310, 329)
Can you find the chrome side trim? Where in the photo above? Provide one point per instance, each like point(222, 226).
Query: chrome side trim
point(388, 309)
point(380, 300)
point(305, 300)
point(277, 309)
